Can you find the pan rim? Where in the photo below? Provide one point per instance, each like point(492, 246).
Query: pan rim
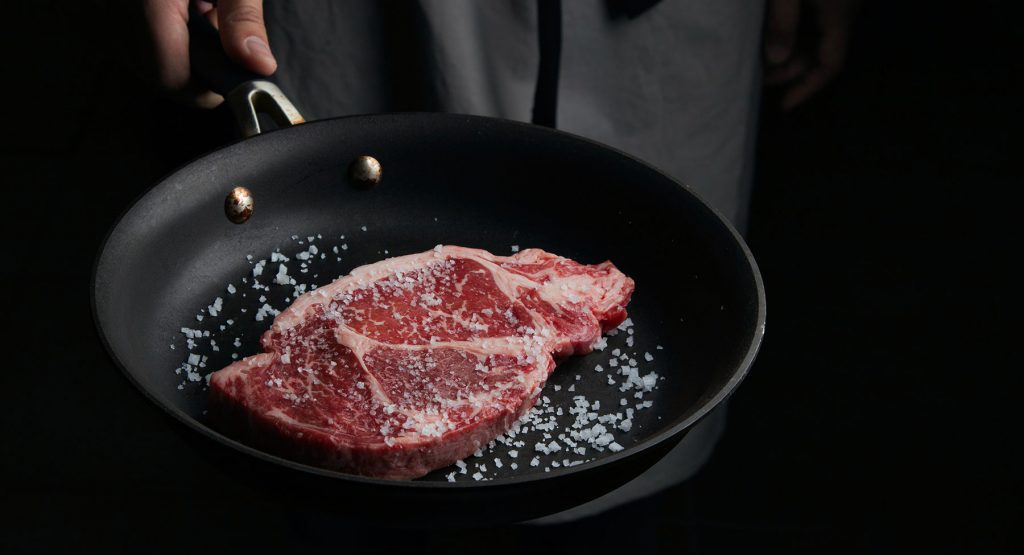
point(667, 434)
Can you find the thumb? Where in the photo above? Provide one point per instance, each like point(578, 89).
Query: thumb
point(244, 35)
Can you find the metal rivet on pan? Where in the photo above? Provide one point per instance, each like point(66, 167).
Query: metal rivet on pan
point(365, 171)
point(238, 205)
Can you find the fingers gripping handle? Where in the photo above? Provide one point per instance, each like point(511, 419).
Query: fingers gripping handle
point(247, 93)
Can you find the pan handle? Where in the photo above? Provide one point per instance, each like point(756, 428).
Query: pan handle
point(250, 98)
point(247, 94)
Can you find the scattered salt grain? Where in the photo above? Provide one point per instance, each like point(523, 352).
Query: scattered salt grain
point(515, 248)
point(282, 276)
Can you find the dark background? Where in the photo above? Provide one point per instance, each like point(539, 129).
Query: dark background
point(878, 417)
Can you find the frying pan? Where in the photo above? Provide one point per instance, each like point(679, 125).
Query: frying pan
point(447, 179)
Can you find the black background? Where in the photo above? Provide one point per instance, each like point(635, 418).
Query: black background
point(880, 415)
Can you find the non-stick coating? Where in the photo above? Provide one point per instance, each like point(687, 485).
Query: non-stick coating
point(448, 179)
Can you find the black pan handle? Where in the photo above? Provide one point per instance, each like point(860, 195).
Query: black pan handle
point(247, 94)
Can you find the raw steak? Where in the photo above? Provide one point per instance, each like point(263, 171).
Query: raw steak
point(412, 363)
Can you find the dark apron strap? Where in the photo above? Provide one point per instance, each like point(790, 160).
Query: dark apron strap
point(549, 34)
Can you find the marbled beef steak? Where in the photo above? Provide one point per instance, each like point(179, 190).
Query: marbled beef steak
point(409, 364)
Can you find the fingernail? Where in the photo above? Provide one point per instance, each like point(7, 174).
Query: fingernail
point(776, 53)
point(256, 47)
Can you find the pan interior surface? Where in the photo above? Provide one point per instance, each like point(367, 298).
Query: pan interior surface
point(455, 180)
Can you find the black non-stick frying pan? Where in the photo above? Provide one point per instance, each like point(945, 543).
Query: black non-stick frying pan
point(447, 179)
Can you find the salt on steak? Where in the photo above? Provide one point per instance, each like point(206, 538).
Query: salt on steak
point(412, 363)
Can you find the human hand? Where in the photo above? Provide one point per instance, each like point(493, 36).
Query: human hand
point(805, 45)
point(242, 32)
